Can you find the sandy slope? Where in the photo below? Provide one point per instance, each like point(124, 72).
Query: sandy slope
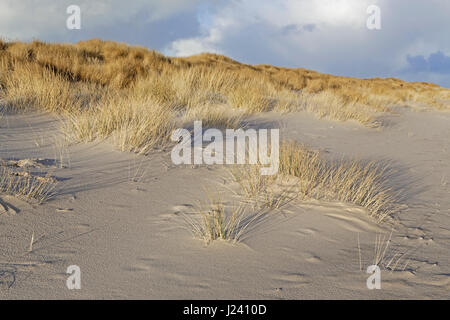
point(130, 241)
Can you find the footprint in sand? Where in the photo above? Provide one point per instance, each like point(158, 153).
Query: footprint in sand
point(306, 232)
point(184, 209)
point(142, 265)
point(292, 280)
point(177, 211)
point(314, 259)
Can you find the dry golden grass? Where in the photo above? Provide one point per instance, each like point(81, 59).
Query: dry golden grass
point(213, 222)
point(213, 116)
point(304, 172)
point(30, 86)
point(352, 181)
point(84, 77)
point(326, 104)
point(262, 191)
point(384, 256)
point(26, 185)
point(136, 97)
point(251, 182)
point(123, 119)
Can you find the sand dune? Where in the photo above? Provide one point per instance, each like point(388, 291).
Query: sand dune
point(120, 218)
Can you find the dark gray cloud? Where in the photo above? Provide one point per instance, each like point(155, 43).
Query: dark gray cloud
point(437, 62)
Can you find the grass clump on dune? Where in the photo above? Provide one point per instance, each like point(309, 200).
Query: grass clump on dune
point(24, 184)
point(352, 181)
point(134, 124)
point(307, 174)
point(302, 172)
point(214, 222)
point(75, 78)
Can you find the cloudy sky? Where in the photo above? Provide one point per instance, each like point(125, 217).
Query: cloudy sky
point(325, 35)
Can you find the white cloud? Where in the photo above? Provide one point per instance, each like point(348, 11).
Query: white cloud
point(237, 16)
point(326, 35)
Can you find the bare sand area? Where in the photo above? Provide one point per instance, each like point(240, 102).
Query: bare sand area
point(120, 218)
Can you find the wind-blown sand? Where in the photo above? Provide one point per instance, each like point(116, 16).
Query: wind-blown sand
point(119, 217)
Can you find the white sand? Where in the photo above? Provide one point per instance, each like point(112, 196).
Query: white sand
point(130, 241)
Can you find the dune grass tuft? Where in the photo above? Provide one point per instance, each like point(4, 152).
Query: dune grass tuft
point(26, 185)
point(83, 80)
point(352, 181)
point(213, 222)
